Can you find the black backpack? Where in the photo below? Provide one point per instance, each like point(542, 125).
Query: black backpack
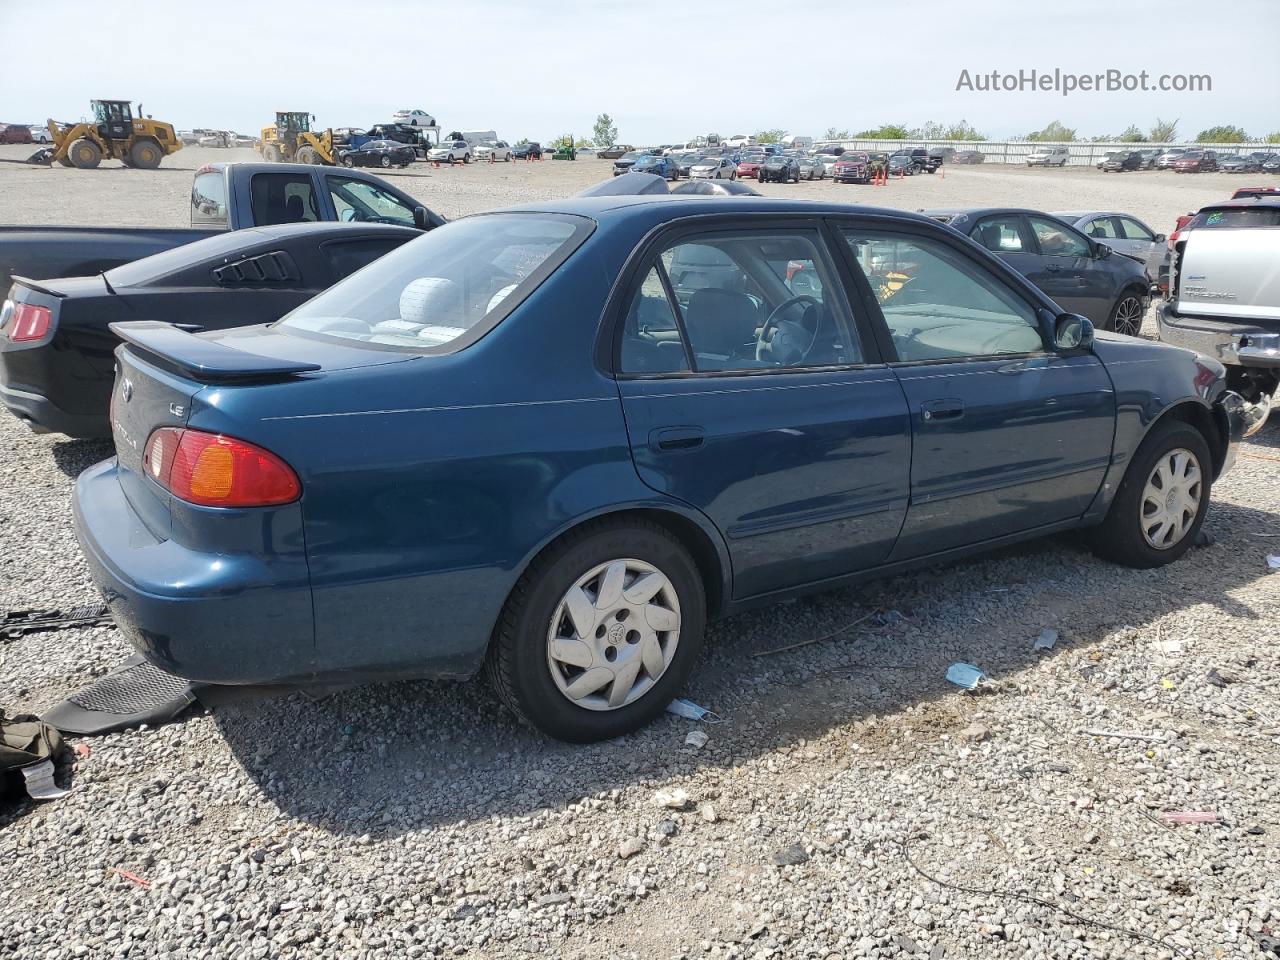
point(28, 749)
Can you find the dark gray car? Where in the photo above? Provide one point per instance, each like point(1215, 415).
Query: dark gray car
point(1081, 275)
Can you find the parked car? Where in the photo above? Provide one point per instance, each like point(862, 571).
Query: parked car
point(15, 133)
point(1236, 163)
point(749, 165)
point(1122, 161)
point(941, 155)
point(414, 118)
point(828, 161)
point(656, 164)
point(56, 372)
point(921, 159)
point(1196, 161)
point(1081, 275)
point(496, 150)
point(382, 485)
point(223, 196)
point(378, 153)
point(1169, 157)
point(39, 133)
point(779, 168)
point(902, 165)
point(450, 151)
point(1049, 157)
point(614, 152)
point(713, 167)
point(1106, 157)
point(1272, 165)
point(968, 156)
point(1123, 233)
point(343, 136)
point(1225, 297)
point(1149, 157)
point(812, 168)
point(852, 167)
point(522, 151)
point(684, 161)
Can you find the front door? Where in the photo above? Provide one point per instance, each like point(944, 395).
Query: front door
point(1008, 434)
point(750, 394)
point(1069, 272)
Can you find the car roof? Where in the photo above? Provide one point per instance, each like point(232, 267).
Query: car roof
point(1243, 203)
point(982, 212)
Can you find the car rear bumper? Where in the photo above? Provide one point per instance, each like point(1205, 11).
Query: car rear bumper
point(211, 617)
point(1230, 342)
point(42, 415)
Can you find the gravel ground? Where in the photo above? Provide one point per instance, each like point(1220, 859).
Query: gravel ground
point(853, 804)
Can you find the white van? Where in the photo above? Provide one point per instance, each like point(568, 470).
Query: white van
point(1049, 157)
point(798, 143)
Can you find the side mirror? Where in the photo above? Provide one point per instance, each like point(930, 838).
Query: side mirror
point(1072, 332)
point(420, 218)
point(1160, 238)
point(1101, 251)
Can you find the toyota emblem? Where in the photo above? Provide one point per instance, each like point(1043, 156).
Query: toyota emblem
point(126, 390)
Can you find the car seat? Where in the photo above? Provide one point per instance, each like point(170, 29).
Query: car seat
point(721, 323)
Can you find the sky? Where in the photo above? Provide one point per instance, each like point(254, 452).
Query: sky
point(664, 72)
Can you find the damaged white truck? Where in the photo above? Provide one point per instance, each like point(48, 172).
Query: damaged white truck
point(1225, 296)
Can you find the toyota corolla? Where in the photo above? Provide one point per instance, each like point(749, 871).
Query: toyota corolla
point(553, 442)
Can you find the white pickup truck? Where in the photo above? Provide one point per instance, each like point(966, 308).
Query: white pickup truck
point(1225, 296)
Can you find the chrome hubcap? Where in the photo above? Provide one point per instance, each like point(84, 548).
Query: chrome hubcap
point(613, 634)
point(1171, 499)
point(1129, 316)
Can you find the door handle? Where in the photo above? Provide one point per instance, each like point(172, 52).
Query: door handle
point(1052, 267)
point(950, 409)
point(675, 439)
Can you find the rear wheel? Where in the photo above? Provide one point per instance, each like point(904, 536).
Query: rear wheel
point(600, 633)
point(85, 154)
point(146, 154)
point(1162, 499)
point(1126, 314)
point(384, 160)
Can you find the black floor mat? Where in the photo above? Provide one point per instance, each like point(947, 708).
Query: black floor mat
point(134, 693)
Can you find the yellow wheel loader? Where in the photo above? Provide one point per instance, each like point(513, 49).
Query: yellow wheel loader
point(291, 139)
point(115, 134)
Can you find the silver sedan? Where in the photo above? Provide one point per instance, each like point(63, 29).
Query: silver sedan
point(812, 168)
point(1122, 232)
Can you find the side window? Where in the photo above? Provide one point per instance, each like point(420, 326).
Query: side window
point(365, 202)
point(347, 256)
point(1133, 230)
point(209, 199)
point(1001, 235)
point(748, 301)
point(940, 305)
point(282, 198)
point(1057, 241)
point(1104, 228)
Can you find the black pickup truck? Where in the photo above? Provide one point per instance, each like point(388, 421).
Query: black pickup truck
point(224, 196)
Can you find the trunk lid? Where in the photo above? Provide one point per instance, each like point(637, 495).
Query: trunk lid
point(1230, 274)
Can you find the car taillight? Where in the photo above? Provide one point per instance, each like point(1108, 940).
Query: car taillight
point(28, 321)
point(218, 471)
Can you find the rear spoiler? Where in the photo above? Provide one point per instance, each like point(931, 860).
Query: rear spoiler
point(204, 360)
point(26, 282)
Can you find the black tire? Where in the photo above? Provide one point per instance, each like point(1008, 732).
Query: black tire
point(517, 662)
point(85, 154)
point(1120, 538)
point(145, 155)
point(348, 162)
point(271, 153)
point(384, 160)
point(1122, 318)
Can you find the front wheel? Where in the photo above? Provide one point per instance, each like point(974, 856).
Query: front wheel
point(1162, 499)
point(600, 633)
point(1126, 314)
point(384, 161)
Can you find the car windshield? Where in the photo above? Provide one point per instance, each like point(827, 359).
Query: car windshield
point(445, 289)
point(1236, 217)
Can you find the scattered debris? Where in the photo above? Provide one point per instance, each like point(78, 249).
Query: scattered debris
point(1220, 679)
point(790, 856)
point(82, 750)
point(711, 815)
point(130, 875)
point(1273, 562)
point(667, 828)
point(1204, 538)
point(676, 799)
point(828, 636)
point(1046, 640)
point(16, 623)
point(965, 675)
point(629, 848)
point(691, 711)
point(1167, 683)
point(1122, 735)
point(1256, 831)
point(696, 739)
point(1189, 816)
point(1167, 646)
point(975, 732)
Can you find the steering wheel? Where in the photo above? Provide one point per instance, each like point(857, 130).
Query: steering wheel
point(762, 343)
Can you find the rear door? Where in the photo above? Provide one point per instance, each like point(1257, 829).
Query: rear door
point(751, 394)
point(1009, 435)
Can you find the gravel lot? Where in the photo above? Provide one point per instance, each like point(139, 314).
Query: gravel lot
point(837, 812)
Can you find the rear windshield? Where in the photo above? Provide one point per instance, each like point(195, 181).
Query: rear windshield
point(446, 289)
point(1242, 217)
